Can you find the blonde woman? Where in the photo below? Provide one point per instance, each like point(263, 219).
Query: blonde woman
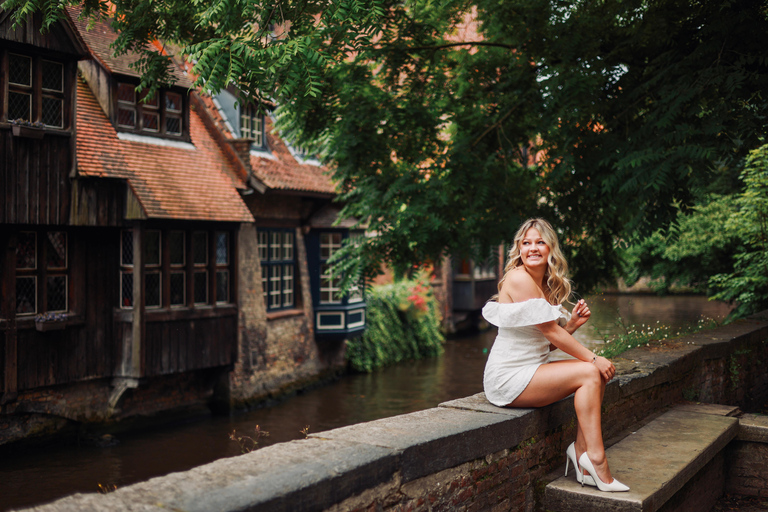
point(532, 321)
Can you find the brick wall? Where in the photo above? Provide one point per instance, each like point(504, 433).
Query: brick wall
point(747, 469)
point(723, 366)
point(277, 351)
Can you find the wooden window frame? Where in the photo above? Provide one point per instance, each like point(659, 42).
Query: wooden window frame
point(165, 268)
point(161, 107)
point(35, 90)
point(42, 272)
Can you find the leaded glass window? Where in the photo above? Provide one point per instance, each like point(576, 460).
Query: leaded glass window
point(161, 114)
point(35, 90)
point(52, 105)
point(42, 259)
point(178, 267)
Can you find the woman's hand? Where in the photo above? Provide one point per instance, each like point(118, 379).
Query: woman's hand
point(607, 370)
point(579, 316)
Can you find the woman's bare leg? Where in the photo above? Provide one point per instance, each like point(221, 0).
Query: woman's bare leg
point(556, 380)
point(581, 443)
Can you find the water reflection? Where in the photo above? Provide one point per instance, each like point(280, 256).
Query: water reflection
point(40, 477)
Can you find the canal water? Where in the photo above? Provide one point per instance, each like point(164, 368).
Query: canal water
point(44, 475)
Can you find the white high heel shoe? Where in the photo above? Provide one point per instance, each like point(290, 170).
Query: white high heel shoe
point(570, 456)
point(614, 486)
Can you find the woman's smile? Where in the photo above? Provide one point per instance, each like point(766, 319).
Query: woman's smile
point(533, 249)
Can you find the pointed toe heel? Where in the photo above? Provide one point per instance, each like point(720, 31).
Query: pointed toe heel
point(614, 486)
point(570, 456)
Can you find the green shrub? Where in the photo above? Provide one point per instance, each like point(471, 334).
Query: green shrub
point(403, 324)
point(747, 284)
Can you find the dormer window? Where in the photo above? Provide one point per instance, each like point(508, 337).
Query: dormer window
point(302, 155)
point(162, 114)
point(35, 90)
point(252, 127)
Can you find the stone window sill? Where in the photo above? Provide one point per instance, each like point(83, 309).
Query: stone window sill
point(285, 313)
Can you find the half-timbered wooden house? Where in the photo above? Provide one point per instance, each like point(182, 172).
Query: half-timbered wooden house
point(120, 224)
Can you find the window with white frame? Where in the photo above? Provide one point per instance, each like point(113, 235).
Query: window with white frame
point(330, 281)
point(252, 126)
point(278, 267)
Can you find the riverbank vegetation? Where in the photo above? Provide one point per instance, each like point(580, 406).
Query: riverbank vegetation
point(403, 324)
point(653, 336)
point(719, 246)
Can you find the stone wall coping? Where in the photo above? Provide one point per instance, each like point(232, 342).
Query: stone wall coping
point(753, 428)
point(295, 476)
point(328, 467)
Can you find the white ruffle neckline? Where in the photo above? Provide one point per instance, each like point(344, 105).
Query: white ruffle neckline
point(520, 314)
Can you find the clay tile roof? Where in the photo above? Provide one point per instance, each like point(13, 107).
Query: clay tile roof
point(170, 182)
point(284, 172)
point(98, 40)
point(280, 171)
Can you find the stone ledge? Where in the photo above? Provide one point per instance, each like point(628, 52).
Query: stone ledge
point(432, 440)
point(753, 428)
point(297, 476)
point(655, 462)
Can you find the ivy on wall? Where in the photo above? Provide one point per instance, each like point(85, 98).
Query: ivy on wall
point(403, 323)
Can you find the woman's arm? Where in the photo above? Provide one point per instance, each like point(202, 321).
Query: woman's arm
point(563, 340)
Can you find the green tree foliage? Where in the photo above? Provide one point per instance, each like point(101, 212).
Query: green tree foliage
point(637, 110)
point(267, 49)
point(719, 247)
point(695, 247)
point(747, 285)
point(403, 323)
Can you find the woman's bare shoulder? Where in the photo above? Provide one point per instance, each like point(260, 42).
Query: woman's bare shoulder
point(519, 286)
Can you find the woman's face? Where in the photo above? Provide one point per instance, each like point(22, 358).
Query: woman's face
point(534, 251)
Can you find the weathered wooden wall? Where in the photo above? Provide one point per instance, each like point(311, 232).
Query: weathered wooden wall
point(2, 361)
point(184, 344)
point(34, 179)
point(57, 39)
point(98, 202)
point(85, 349)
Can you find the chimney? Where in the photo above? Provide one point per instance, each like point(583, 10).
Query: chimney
point(242, 148)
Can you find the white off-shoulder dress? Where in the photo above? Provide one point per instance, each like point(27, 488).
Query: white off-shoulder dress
point(520, 348)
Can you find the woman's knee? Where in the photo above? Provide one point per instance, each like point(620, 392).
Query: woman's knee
point(591, 374)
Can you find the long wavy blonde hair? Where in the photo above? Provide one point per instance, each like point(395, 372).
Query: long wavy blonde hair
point(556, 276)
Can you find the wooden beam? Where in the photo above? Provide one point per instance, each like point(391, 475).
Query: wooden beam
point(8, 311)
